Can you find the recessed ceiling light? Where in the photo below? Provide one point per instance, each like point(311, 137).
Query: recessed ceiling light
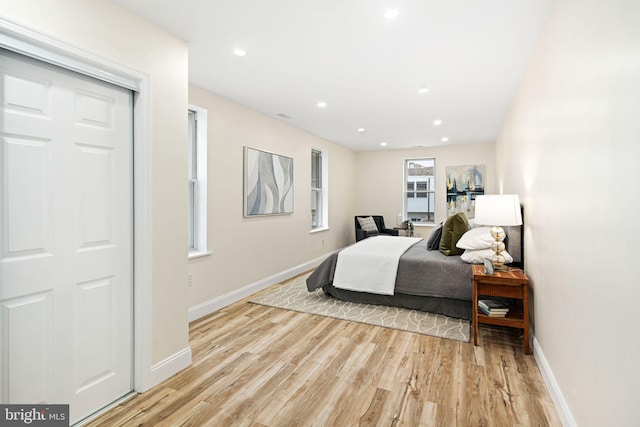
point(445, 139)
point(437, 122)
point(391, 14)
point(360, 130)
point(322, 105)
point(423, 90)
point(383, 144)
point(240, 52)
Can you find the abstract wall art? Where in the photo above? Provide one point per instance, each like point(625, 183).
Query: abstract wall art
point(268, 183)
point(464, 183)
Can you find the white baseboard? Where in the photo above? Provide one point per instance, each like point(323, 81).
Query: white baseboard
point(552, 386)
point(222, 301)
point(169, 367)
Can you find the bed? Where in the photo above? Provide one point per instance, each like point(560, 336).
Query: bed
point(427, 280)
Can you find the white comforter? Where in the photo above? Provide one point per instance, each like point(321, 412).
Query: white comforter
point(371, 264)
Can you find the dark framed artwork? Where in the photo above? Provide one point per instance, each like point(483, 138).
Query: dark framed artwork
point(268, 183)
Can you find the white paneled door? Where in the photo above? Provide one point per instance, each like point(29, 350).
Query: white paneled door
point(66, 237)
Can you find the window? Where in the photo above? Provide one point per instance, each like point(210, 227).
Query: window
point(197, 181)
point(319, 189)
point(420, 190)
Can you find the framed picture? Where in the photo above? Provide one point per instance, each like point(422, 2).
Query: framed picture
point(464, 183)
point(268, 183)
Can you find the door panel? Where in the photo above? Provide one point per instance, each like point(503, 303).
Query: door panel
point(95, 179)
point(28, 202)
point(95, 305)
point(27, 93)
point(31, 378)
point(66, 237)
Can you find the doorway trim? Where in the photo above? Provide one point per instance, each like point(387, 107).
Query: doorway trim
point(17, 38)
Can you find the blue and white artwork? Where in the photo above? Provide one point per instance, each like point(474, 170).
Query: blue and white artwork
point(464, 183)
point(268, 183)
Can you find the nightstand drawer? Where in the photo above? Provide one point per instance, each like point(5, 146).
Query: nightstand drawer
point(505, 291)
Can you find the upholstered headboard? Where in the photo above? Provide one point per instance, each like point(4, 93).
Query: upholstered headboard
point(515, 243)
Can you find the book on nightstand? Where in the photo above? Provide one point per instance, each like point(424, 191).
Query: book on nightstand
point(493, 308)
point(493, 313)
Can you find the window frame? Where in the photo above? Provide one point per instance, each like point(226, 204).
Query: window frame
point(320, 194)
point(197, 182)
point(411, 190)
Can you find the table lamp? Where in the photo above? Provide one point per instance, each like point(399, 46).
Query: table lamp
point(498, 210)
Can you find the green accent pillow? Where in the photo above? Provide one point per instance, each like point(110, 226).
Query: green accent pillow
point(454, 227)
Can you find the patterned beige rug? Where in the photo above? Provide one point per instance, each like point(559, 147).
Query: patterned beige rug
point(293, 295)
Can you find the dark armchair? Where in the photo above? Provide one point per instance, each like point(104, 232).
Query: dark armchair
point(379, 220)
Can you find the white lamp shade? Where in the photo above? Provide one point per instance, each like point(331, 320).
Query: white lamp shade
point(498, 209)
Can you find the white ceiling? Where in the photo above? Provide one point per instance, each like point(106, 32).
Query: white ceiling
point(470, 54)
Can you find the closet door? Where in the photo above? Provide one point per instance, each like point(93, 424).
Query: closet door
point(66, 237)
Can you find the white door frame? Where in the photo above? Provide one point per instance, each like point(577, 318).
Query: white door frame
point(31, 43)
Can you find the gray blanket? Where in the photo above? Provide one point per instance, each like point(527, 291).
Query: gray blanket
point(420, 272)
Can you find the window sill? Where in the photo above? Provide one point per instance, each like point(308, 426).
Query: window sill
point(198, 254)
point(319, 229)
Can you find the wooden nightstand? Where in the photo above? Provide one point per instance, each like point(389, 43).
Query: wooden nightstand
point(512, 284)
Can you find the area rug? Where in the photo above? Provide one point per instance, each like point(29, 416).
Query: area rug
point(293, 295)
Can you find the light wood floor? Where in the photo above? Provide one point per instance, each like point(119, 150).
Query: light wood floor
point(260, 366)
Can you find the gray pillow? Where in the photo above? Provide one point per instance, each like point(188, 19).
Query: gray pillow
point(433, 243)
point(368, 224)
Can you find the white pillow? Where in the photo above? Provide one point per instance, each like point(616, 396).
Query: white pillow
point(477, 256)
point(476, 238)
point(368, 224)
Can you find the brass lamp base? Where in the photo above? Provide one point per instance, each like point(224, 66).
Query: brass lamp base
point(498, 234)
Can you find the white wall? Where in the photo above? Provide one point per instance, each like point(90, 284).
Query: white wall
point(570, 147)
point(104, 29)
point(246, 250)
point(379, 188)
